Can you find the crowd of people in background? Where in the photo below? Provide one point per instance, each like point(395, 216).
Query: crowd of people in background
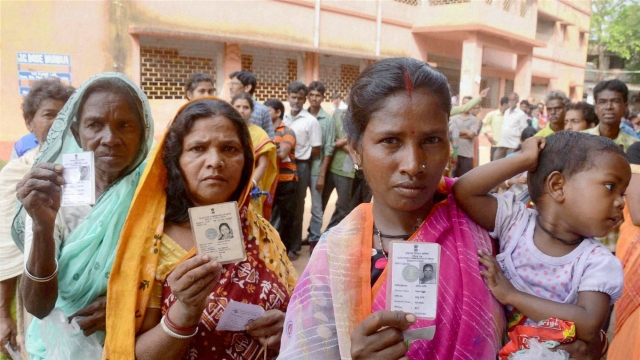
point(125, 269)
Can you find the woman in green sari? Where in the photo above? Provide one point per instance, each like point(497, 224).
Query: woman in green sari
point(69, 251)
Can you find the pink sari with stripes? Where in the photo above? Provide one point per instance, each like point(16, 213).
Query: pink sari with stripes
point(334, 294)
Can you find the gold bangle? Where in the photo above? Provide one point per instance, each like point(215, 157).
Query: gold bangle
point(38, 279)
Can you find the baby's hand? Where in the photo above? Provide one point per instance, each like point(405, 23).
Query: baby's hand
point(531, 149)
point(499, 285)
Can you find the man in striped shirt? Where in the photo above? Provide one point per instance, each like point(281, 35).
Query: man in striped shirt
point(285, 201)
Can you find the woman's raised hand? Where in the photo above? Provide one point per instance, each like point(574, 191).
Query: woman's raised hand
point(191, 282)
point(40, 191)
point(268, 328)
point(379, 336)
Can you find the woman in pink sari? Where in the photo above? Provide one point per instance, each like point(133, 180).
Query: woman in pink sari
point(397, 127)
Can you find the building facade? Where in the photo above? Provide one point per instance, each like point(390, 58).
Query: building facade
point(527, 46)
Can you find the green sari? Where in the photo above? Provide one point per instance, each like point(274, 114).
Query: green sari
point(87, 253)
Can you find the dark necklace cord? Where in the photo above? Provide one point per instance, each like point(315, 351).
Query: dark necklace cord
point(566, 242)
point(381, 235)
point(401, 237)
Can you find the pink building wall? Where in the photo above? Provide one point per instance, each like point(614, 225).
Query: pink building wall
point(478, 40)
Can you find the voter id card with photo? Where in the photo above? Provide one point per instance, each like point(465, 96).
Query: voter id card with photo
point(412, 278)
point(79, 179)
point(217, 232)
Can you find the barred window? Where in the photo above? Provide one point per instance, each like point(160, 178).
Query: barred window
point(409, 2)
point(274, 70)
point(164, 71)
point(338, 74)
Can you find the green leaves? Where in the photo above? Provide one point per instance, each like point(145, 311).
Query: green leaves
point(623, 33)
point(614, 25)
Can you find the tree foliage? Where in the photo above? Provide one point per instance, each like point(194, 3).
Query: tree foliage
point(615, 27)
point(623, 33)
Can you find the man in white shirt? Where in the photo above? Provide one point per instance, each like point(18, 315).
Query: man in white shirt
point(308, 144)
point(515, 120)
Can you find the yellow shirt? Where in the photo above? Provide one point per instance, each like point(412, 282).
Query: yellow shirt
point(547, 131)
point(494, 119)
point(625, 140)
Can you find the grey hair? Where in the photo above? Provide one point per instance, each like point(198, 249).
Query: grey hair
point(557, 94)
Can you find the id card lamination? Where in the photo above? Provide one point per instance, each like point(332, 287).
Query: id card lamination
point(79, 179)
point(217, 232)
point(412, 280)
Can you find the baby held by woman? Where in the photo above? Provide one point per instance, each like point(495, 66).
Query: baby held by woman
point(550, 265)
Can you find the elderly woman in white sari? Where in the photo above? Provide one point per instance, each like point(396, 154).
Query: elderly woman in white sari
point(69, 251)
point(39, 108)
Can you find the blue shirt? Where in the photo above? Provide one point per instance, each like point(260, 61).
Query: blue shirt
point(25, 144)
point(626, 128)
point(261, 117)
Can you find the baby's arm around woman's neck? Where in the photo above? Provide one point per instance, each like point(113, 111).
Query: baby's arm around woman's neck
point(471, 191)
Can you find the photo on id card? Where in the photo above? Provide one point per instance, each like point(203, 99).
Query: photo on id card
point(412, 278)
point(79, 179)
point(217, 232)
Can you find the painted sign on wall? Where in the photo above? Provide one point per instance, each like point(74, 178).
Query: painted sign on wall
point(36, 66)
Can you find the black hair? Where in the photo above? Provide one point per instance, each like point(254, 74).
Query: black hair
point(336, 95)
point(178, 201)
point(275, 104)
point(613, 85)
point(317, 86)
point(246, 77)
point(296, 87)
point(568, 152)
point(528, 132)
point(224, 224)
point(588, 111)
point(192, 82)
point(385, 78)
point(425, 265)
point(504, 100)
point(45, 89)
point(243, 96)
point(526, 102)
point(633, 153)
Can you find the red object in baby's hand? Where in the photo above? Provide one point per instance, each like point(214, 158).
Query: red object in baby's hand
point(552, 329)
